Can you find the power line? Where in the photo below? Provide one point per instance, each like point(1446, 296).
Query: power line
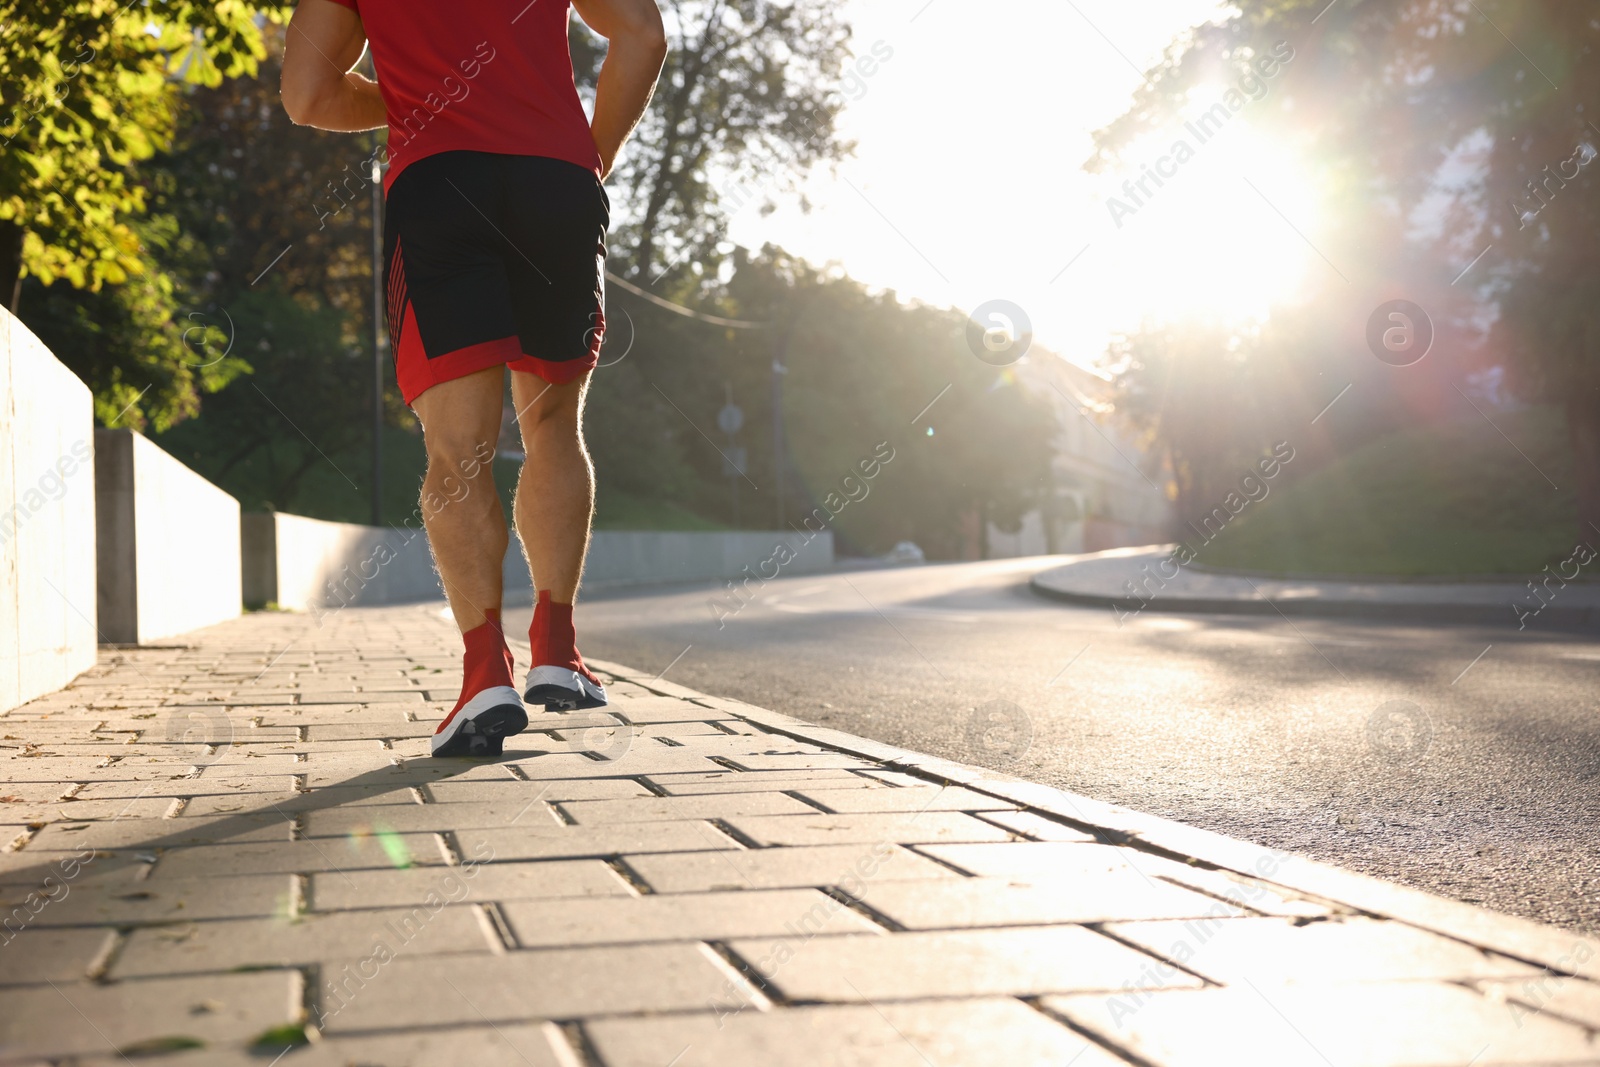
point(678, 309)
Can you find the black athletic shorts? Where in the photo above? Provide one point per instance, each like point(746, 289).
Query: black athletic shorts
point(494, 259)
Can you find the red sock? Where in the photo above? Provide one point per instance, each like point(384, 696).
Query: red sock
point(552, 637)
point(487, 661)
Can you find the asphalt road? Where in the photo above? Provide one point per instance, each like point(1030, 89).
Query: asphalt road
point(1418, 754)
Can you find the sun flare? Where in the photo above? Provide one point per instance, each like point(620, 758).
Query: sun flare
point(1228, 231)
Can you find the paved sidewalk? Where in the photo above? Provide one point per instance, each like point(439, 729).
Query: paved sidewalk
point(235, 849)
point(1133, 580)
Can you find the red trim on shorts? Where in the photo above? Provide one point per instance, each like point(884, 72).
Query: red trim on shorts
point(560, 372)
point(556, 372)
point(416, 373)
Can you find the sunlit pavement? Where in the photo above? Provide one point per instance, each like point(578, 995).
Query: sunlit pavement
point(234, 851)
point(1415, 752)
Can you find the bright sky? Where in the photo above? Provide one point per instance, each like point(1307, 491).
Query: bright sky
point(967, 184)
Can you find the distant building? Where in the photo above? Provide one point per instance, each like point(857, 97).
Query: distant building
point(1108, 493)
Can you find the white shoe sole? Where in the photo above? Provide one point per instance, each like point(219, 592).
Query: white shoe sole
point(482, 725)
point(560, 689)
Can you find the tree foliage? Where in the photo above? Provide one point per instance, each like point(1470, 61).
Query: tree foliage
point(858, 368)
point(278, 221)
point(90, 90)
point(257, 237)
point(145, 346)
point(747, 106)
point(1440, 130)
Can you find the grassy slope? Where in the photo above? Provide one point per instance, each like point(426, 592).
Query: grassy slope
point(616, 510)
point(1451, 499)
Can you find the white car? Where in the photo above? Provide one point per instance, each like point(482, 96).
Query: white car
point(905, 552)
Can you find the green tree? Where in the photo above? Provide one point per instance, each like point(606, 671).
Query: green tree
point(860, 367)
point(1182, 387)
point(279, 225)
point(1439, 128)
point(89, 89)
point(988, 456)
point(747, 106)
point(145, 357)
point(266, 256)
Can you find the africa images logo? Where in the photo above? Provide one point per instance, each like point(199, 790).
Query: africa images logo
point(1399, 333)
point(1252, 85)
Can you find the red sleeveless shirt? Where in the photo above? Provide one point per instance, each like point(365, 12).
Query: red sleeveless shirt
point(479, 75)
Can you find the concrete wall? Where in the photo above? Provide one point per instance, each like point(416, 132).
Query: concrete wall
point(47, 520)
point(305, 564)
point(168, 543)
point(300, 563)
point(1031, 539)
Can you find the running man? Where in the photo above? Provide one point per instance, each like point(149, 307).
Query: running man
point(494, 234)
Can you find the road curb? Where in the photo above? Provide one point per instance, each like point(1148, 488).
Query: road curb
point(1552, 617)
point(1532, 942)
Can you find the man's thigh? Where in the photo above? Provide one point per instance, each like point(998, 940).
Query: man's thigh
point(463, 414)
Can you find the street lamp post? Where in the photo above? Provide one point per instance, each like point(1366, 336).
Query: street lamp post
point(780, 368)
point(729, 420)
point(379, 342)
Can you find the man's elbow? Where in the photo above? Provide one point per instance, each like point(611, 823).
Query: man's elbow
point(648, 34)
point(651, 47)
point(654, 35)
point(656, 41)
point(302, 103)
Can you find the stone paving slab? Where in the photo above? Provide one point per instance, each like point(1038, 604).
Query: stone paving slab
point(724, 781)
point(44, 955)
point(129, 833)
point(918, 965)
point(984, 902)
point(553, 791)
point(1313, 1026)
point(536, 983)
point(537, 1045)
point(262, 944)
point(134, 903)
point(234, 850)
point(662, 809)
point(549, 842)
point(502, 882)
point(822, 867)
point(1564, 997)
point(51, 1021)
point(681, 917)
point(912, 800)
point(931, 827)
point(934, 1034)
point(1227, 951)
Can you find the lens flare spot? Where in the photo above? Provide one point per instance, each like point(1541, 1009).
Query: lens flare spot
point(394, 846)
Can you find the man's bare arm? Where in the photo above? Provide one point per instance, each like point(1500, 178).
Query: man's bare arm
point(637, 48)
point(319, 89)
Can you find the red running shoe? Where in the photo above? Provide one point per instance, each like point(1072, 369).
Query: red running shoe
point(558, 679)
point(489, 710)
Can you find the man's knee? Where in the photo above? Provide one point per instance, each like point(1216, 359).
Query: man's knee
point(460, 422)
point(547, 404)
point(457, 463)
point(463, 454)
